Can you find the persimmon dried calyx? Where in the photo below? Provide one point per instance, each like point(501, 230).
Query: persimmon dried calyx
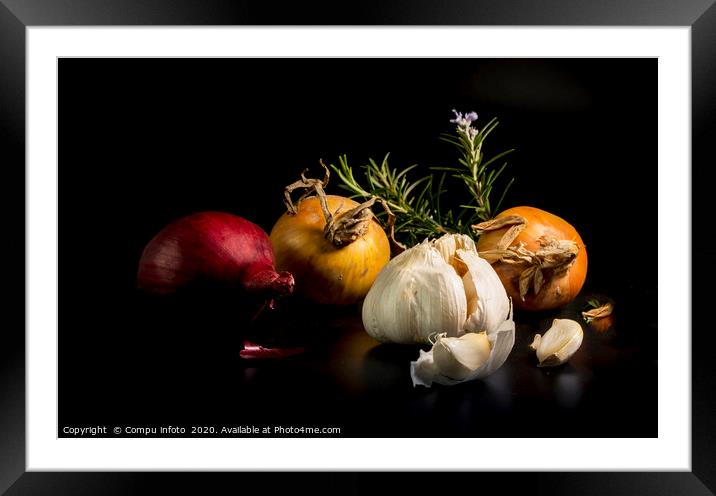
point(597, 311)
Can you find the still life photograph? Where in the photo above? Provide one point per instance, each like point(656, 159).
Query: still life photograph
point(357, 248)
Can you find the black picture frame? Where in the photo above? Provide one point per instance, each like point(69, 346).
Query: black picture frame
point(17, 15)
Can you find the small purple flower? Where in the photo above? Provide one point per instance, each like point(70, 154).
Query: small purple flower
point(458, 117)
point(464, 123)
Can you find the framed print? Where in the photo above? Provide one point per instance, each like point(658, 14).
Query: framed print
point(288, 245)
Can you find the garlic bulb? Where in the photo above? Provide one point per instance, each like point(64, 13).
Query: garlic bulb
point(442, 288)
point(416, 295)
point(559, 343)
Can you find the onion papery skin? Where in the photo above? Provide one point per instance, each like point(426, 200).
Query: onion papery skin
point(560, 290)
point(325, 273)
point(210, 250)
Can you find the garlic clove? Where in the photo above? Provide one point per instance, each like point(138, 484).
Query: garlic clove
point(425, 370)
point(488, 305)
point(448, 245)
point(416, 295)
point(559, 343)
point(536, 341)
point(457, 358)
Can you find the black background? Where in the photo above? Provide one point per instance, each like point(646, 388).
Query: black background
point(143, 142)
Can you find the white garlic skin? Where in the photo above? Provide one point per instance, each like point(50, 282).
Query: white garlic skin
point(457, 358)
point(416, 295)
point(559, 343)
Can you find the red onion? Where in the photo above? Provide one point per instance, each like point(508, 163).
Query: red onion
point(256, 351)
point(213, 249)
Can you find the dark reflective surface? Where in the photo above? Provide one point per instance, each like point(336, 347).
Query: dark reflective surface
point(190, 373)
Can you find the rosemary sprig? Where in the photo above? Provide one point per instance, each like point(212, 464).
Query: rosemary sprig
point(476, 175)
point(411, 202)
point(418, 205)
point(593, 303)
